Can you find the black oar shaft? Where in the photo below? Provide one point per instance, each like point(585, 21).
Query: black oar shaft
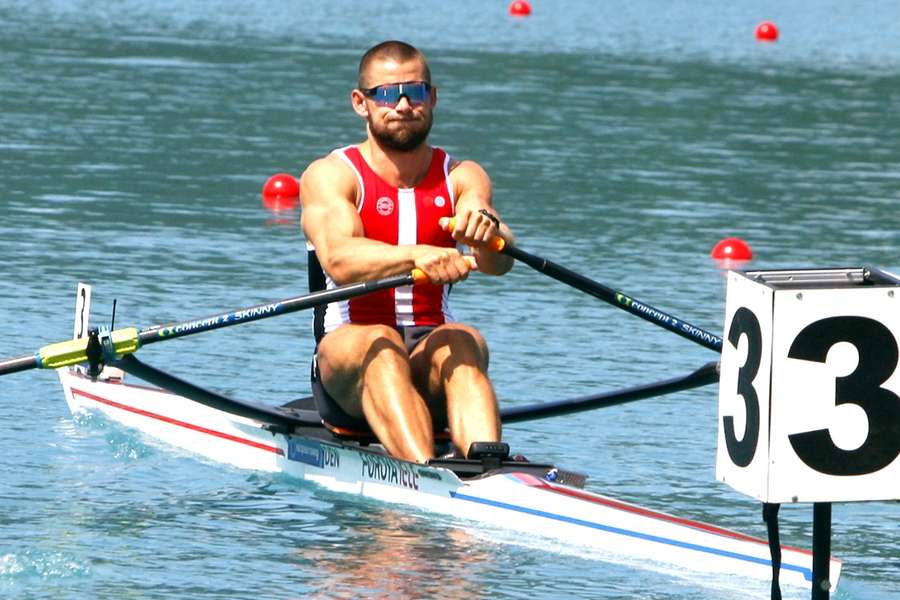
point(130, 364)
point(159, 333)
point(705, 375)
point(616, 298)
point(14, 365)
point(125, 341)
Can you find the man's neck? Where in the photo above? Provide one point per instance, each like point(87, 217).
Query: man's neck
point(400, 169)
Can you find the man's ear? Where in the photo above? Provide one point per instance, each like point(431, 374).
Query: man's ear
point(358, 101)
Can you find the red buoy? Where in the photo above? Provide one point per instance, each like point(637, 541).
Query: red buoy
point(731, 248)
point(281, 186)
point(520, 8)
point(766, 32)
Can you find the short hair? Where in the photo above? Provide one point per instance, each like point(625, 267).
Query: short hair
point(390, 50)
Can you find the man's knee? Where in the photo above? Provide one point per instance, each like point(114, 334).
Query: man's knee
point(381, 344)
point(359, 339)
point(345, 350)
point(376, 339)
point(459, 340)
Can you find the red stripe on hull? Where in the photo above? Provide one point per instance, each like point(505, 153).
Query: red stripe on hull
point(186, 425)
point(644, 512)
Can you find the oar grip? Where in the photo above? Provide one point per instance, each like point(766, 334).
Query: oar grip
point(419, 276)
point(496, 243)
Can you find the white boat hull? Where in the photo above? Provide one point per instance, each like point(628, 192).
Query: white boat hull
point(519, 502)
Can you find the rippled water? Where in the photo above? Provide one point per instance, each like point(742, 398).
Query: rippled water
point(624, 139)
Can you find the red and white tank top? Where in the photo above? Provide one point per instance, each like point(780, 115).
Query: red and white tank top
point(398, 216)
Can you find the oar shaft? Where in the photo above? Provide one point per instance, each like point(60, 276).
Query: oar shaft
point(125, 341)
point(14, 365)
point(705, 375)
point(131, 364)
point(616, 298)
point(159, 333)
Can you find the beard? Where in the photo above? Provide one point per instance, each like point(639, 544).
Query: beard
point(407, 138)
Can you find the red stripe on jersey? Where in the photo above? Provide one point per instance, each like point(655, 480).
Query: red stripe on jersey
point(398, 217)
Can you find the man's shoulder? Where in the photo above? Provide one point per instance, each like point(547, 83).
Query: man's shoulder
point(466, 170)
point(329, 165)
point(329, 172)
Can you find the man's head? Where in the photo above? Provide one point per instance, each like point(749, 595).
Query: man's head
point(394, 51)
point(395, 95)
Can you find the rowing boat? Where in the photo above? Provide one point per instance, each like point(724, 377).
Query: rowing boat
point(538, 500)
point(535, 501)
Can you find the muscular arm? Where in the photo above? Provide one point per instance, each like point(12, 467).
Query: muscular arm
point(331, 223)
point(474, 193)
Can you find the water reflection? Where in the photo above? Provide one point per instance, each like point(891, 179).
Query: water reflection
point(283, 212)
point(396, 555)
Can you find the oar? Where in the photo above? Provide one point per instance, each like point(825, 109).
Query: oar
point(614, 297)
point(708, 373)
point(258, 412)
point(128, 340)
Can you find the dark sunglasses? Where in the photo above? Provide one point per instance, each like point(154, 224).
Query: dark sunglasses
point(389, 94)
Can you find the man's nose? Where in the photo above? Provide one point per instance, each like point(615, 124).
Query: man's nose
point(403, 104)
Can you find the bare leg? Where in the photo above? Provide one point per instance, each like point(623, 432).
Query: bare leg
point(365, 368)
point(452, 363)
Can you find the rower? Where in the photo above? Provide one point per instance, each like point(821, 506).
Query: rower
point(395, 361)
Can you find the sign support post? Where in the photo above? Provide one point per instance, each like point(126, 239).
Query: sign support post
point(821, 588)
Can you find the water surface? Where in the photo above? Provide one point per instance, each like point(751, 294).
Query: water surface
point(623, 139)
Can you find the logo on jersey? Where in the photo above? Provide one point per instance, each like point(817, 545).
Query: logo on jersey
point(439, 201)
point(384, 206)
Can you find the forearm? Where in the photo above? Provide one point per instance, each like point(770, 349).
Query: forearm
point(361, 259)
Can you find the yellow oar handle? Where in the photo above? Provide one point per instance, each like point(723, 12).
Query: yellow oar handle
point(496, 243)
point(72, 352)
point(419, 275)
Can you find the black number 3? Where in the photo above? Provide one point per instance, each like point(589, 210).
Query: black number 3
point(878, 355)
point(742, 451)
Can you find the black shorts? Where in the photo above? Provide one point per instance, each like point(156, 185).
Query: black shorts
point(330, 410)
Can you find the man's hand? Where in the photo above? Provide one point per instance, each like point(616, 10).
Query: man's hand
point(443, 265)
point(473, 228)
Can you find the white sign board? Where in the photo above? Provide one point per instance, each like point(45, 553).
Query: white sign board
point(809, 394)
